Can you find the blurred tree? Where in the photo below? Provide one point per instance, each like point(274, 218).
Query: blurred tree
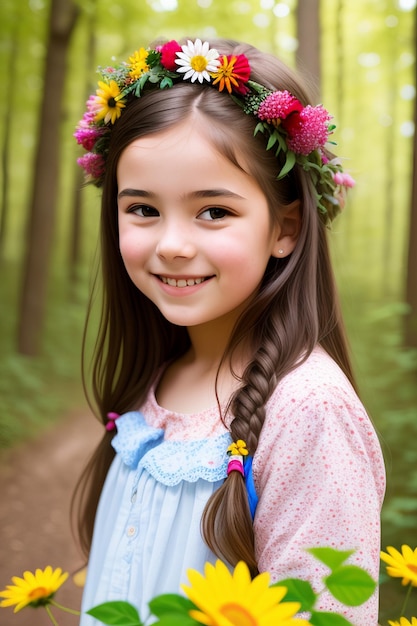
point(340, 74)
point(76, 209)
point(308, 35)
point(411, 284)
point(63, 15)
point(5, 150)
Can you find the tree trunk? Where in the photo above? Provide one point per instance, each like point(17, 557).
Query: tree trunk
point(5, 149)
point(40, 231)
point(308, 35)
point(411, 280)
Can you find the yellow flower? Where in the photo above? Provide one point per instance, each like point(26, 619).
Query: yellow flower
point(138, 63)
point(33, 589)
point(404, 622)
point(79, 577)
point(402, 565)
point(107, 103)
point(238, 448)
point(233, 599)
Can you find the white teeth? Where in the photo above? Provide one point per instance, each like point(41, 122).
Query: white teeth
point(182, 282)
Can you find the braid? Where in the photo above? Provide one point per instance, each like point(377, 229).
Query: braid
point(248, 404)
point(226, 522)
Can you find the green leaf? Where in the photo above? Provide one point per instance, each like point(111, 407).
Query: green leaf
point(281, 141)
point(322, 618)
point(259, 128)
point(298, 591)
point(271, 141)
point(177, 620)
point(351, 585)
point(288, 165)
point(116, 613)
point(331, 557)
point(166, 82)
point(169, 603)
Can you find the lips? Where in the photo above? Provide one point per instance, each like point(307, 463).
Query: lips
point(182, 282)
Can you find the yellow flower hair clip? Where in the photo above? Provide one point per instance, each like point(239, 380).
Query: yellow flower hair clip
point(238, 448)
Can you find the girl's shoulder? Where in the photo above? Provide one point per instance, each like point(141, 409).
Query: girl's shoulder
point(317, 379)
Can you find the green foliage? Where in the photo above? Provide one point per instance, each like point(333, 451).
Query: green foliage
point(116, 614)
point(172, 610)
point(36, 392)
point(298, 591)
point(330, 557)
point(350, 585)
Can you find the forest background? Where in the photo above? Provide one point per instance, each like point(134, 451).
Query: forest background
point(360, 54)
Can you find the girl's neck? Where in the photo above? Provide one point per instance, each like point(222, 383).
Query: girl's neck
point(189, 384)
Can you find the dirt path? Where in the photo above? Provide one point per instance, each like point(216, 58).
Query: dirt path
point(36, 483)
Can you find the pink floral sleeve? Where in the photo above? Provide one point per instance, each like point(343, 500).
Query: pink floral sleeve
point(320, 478)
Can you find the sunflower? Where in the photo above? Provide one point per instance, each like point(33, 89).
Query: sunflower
point(402, 564)
point(226, 599)
point(196, 60)
point(33, 589)
point(404, 622)
point(107, 103)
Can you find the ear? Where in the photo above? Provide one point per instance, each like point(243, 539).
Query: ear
point(288, 230)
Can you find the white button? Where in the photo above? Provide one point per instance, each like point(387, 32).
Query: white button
point(131, 531)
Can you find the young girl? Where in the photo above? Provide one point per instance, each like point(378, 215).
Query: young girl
point(220, 326)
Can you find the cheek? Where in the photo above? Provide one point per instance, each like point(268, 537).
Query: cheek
point(132, 251)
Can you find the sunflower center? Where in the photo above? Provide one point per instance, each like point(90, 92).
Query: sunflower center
point(111, 103)
point(38, 592)
point(413, 568)
point(238, 615)
point(198, 63)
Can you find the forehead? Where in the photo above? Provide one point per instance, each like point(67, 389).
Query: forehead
point(181, 161)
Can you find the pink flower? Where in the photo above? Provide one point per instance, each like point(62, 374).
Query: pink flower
point(307, 130)
point(87, 137)
point(169, 54)
point(91, 105)
point(92, 164)
point(343, 179)
point(278, 106)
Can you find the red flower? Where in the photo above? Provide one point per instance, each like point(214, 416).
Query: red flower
point(278, 106)
point(169, 53)
point(232, 73)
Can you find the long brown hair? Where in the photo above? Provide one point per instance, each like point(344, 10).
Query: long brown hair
point(295, 309)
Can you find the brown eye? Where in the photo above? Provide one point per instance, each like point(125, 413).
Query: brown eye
point(215, 213)
point(143, 210)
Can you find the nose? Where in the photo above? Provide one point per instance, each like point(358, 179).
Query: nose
point(176, 241)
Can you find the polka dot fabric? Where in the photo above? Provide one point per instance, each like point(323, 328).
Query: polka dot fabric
point(320, 477)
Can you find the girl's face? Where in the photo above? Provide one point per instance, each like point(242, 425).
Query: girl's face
point(195, 231)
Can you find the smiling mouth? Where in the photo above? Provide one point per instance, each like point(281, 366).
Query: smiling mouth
point(182, 282)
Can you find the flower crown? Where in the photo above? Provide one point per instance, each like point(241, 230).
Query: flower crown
point(296, 133)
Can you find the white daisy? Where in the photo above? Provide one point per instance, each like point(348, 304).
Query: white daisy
point(196, 61)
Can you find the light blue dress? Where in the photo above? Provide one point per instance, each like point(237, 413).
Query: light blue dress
point(147, 531)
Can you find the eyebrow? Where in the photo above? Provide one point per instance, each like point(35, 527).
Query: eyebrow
point(202, 193)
